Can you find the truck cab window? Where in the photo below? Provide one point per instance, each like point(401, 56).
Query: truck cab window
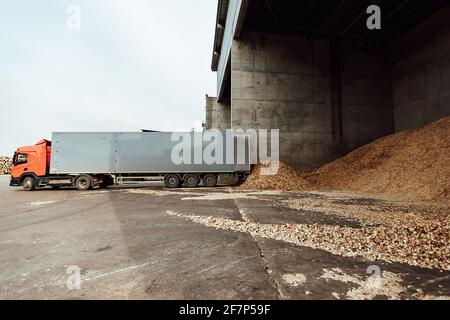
point(22, 158)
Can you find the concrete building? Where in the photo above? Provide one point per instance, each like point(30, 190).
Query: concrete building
point(218, 115)
point(314, 70)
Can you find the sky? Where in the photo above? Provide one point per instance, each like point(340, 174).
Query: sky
point(103, 65)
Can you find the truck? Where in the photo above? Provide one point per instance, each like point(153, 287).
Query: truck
point(91, 160)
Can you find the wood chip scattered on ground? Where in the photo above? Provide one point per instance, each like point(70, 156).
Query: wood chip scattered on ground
point(422, 244)
point(391, 231)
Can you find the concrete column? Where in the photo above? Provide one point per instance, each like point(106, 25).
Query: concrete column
point(284, 82)
point(218, 115)
point(281, 82)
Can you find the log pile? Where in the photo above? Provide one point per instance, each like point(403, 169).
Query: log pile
point(5, 165)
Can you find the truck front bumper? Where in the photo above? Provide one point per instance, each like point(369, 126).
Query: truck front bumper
point(14, 182)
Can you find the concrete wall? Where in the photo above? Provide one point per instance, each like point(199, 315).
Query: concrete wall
point(218, 115)
point(328, 100)
point(421, 73)
point(284, 82)
point(367, 112)
point(280, 82)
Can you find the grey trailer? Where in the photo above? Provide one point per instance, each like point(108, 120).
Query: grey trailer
point(90, 159)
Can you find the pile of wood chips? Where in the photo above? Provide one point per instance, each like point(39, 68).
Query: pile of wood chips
point(285, 179)
point(412, 165)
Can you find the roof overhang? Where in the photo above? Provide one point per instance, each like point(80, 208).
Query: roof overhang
point(229, 22)
point(222, 10)
point(345, 19)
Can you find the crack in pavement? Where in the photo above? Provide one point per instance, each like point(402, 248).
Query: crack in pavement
point(264, 261)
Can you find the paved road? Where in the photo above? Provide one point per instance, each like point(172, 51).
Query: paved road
point(132, 243)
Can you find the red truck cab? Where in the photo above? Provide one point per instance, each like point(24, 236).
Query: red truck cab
point(32, 162)
point(31, 170)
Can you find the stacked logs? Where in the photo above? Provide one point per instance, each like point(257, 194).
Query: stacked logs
point(5, 165)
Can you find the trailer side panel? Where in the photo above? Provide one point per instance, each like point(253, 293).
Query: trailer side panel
point(141, 152)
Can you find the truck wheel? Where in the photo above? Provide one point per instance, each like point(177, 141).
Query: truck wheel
point(29, 184)
point(172, 181)
point(191, 180)
point(210, 180)
point(83, 183)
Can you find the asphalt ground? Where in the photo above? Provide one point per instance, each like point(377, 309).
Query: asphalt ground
point(139, 243)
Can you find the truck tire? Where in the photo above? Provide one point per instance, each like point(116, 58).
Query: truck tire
point(191, 180)
point(83, 183)
point(29, 184)
point(172, 181)
point(210, 180)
